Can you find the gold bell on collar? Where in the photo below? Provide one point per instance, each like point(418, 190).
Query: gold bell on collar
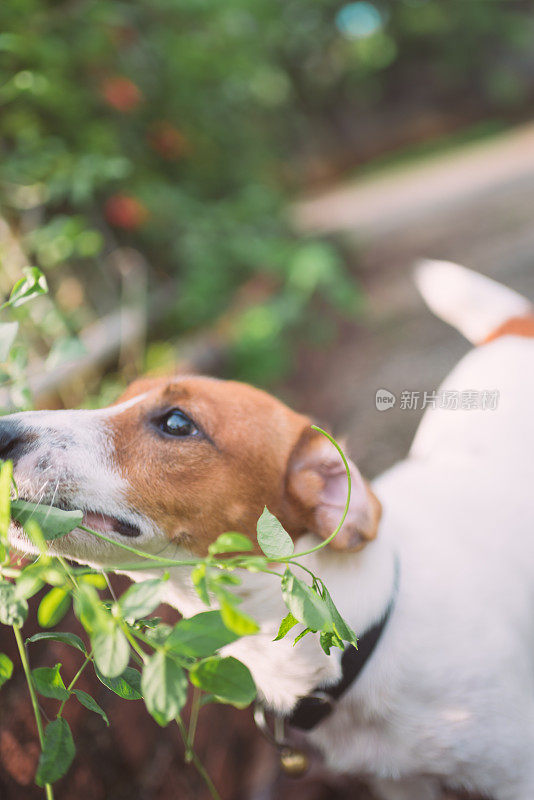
point(294, 762)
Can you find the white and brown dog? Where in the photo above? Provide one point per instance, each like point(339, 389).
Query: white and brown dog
point(446, 698)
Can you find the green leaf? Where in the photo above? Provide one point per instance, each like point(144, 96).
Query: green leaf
point(225, 579)
point(141, 598)
point(111, 650)
point(254, 563)
point(95, 579)
point(148, 622)
point(287, 623)
point(89, 609)
point(200, 636)
point(53, 607)
point(29, 582)
point(159, 634)
point(345, 631)
point(33, 284)
point(224, 596)
point(199, 578)
point(6, 668)
point(329, 639)
point(58, 752)
point(301, 635)
point(273, 539)
point(58, 636)
point(49, 683)
point(50, 573)
point(127, 685)
point(230, 543)
point(34, 533)
point(227, 679)
point(8, 332)
point(53, 522)
point(304, 603)
point(87, 701)
point(164, 686)
point(236, 620)
point(6, 478)
point(13, 609)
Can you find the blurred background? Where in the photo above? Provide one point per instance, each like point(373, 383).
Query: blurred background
point(242, 188)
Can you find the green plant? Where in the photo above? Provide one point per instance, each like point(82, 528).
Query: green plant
point(182, 129)
point(160, 126)
point(121, 630)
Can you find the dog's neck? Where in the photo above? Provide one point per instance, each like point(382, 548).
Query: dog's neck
point(361, 585)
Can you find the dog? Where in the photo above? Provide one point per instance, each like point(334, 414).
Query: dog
point(433, 567)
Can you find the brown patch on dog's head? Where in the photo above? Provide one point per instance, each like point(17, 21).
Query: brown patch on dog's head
point(247, 450)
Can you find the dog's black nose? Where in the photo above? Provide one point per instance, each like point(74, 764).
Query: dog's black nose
point(11, 438)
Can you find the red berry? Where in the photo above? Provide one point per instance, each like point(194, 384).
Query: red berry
point(125, 211)
point(168, 141)
point(121, 93)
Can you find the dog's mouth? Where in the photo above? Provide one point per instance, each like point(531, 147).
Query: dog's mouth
point(104, 523)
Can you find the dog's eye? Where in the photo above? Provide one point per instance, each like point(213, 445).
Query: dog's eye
point(176, 423)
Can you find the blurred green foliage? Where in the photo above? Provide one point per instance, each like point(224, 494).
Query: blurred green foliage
point(179, 127)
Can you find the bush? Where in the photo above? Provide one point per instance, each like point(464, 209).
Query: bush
point(180, 127)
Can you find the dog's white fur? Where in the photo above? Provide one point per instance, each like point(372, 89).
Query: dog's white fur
point(450, 691)
point(448, 696)
point(472, 303)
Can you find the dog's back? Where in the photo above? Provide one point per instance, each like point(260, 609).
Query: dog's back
point(483, 409)
point(474, 446)
point(459, 512)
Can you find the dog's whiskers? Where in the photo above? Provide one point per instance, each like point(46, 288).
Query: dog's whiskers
point(51, 503)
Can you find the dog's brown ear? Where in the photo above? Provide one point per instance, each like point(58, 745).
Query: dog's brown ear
point(317, 483)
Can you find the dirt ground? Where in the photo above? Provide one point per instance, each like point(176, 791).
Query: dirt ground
point(396, 345)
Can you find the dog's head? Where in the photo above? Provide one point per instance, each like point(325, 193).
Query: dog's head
point(179, 461)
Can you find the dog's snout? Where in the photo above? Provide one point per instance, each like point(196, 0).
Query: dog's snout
point(11, 438)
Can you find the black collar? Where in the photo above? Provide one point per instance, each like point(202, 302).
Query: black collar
point(319, 704)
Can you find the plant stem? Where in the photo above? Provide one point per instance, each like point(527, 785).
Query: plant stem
point(133, 644)
point(193, 719)
point(70, 687)
point(137, 634)
point(298, 564)
point(197, 762)
point(133, 550)
point(68, 570)
point(29, 680)
point(346, 511)
point(159, 563)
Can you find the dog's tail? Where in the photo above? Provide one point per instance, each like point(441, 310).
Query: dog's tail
point(479, 307)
